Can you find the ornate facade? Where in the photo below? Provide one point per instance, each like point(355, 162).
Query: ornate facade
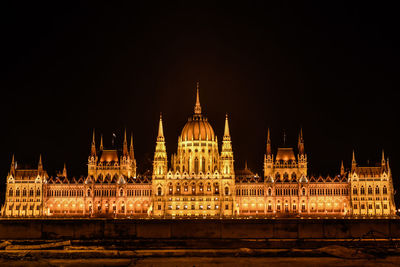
point(199, 181)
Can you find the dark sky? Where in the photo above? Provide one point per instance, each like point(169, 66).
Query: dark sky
point(329, 68)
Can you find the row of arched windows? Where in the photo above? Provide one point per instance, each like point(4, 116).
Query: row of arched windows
point(370, 191)
point(24, 192)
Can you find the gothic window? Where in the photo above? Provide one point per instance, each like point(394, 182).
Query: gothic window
point(369, 190)
point(226, 191)
point(121, 192)
point(303, 191)
point(37, 192)
point(285, 176)
point(293, 176)
point(355, 191)
point(170, 189)
point(384, 190)
point(193, 189)
point(196, 165)
point(185, 188)
point(203, 165)
point(24, 192)
point(362, 190)
point(269, 192)
point(201, 188)
point(277, 176)
point(88, 192)
point(208, 188)
point(216, 189)
point(31, 192)
point(178, 188)
point(10, 192)
point(377, 190)
point(159, 191)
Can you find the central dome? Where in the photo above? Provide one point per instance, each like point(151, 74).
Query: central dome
point(197, 128)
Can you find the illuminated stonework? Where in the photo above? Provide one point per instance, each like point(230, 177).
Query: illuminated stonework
point(201, 182)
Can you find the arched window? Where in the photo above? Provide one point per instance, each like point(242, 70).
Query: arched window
point(384, 190)
point(24, 192)
point(377, 190)
point(303, 191)
point(208, 188)
point(226, 191)
point(362, 190)
point(196, 165)
point(216, 189)
point(193, 188)
point(277, 176)
point(88, 192)
point(285, 176)
point(10, 192)
point(178, 188)
point(369, 190)
point(269, 192)
point(31, 192)
point(293, 176)
point(355, 191)
point(159, 191)
point(38, 192)
point(203, 165)
point(17, 192)
point(121, 192)
point(170, 189)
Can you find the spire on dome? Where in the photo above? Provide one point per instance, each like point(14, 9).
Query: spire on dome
point(226, 131)
point(197, 107)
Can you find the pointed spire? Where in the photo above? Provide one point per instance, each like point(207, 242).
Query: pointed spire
point(131, 153)
point(353, 161)
point(197, 107)
point(125, 145)
point(101, 142)
point(12, 167)
point(383, 158)
point(268, 143)
point(301, 142)
point(341, 168)
point(245, 165)
point(93, 149)
point(65, 170)
point(160, 127)
point(40, 164)
point(226, 130)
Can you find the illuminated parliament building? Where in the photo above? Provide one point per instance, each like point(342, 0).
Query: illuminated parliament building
point(199, 180)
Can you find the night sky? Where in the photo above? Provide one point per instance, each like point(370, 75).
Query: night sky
point(69, 68)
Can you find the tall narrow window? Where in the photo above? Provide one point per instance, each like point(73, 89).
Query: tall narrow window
point(203, 165)
point(384, 190)
point(196, 165)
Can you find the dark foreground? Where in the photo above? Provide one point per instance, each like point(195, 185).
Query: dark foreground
point(99, 242)
point(207, 261)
